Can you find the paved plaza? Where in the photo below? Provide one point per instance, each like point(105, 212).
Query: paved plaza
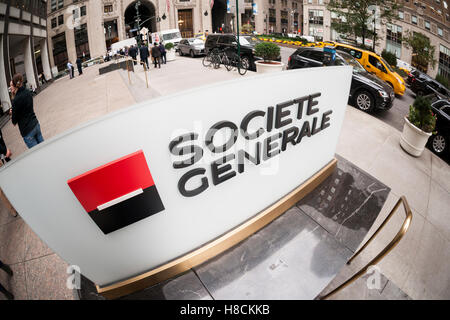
point(417, 268)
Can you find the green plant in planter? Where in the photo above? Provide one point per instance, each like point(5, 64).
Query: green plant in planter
point(267, 50)
point(421, 114)
point(169, 46)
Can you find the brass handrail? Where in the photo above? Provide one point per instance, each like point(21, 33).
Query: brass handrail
point(385, 251)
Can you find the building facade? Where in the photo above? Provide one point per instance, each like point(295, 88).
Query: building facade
point(87, 28)
point(23, 44)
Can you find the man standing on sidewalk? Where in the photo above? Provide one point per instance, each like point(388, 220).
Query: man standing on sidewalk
point(3, 290)
point(133, 53)
point(163, 53)
point(156, 54)
point(143, 52)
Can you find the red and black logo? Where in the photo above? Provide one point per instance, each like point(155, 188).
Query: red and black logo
point(119, 193)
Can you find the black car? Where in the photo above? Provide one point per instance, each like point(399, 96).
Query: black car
point(439, 142)
point(367, 92)
point(412, 75)
point(423, 85)
point(228, 42)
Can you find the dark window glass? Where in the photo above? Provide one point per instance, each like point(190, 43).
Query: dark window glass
point(376, 63)
point(54, 23)
point(316, 55)
point(82, 42)
point(83, 10)
point(60, 20)
point(60, 51)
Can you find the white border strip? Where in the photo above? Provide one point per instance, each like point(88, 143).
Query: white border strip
point(120, 199)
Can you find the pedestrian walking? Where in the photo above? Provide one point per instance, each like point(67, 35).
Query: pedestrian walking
point(80, 68)
point(3, 290)
point(162, 48)
point(143, 52)
point(69, 68)
point(156, 54)
point(22, 113)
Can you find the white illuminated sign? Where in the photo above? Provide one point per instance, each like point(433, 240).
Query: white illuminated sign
point(199, 162)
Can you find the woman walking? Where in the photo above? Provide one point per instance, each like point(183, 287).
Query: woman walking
point(22, 113)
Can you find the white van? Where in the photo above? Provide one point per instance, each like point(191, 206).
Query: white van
point(171, 35)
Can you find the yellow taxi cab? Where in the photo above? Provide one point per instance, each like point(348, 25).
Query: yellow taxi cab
point(375, 64)
point(201, 35)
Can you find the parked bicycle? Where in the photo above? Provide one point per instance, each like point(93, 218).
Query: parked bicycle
point(240, 63)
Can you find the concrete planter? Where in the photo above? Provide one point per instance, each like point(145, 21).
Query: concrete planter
point(413, 140)
point(270, 66)
point(170, 55)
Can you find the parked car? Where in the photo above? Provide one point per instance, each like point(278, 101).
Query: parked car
point(375, 64)
point(228, 42)
point(367, 92)
point(192, 46)
point(423, 85)
point(439, 142)
point(414, 73)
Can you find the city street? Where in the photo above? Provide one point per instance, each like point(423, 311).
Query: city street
point(393, 117)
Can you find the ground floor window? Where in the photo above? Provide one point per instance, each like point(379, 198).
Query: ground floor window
point(60, 51)
point(185, 23)
point(394, 39)
point(82, 42)
point(444, 61)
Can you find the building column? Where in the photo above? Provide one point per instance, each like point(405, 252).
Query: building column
point(45, 60)
point(28, 59)
point(4, 95)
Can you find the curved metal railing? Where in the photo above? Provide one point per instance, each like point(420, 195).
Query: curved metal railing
point(384, 252)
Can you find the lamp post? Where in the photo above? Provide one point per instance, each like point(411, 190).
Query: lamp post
point(237, 28)
point(374, 30)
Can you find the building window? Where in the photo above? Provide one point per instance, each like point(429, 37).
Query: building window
point(427, 25)
point(414, 19)
point(401, 15)
point(439, 32)
point(60, 20)
point(60, 4)
point(83, 10)
point(82, 42)
point(53, 5)
point(272, 2)
point(284, 17)
point(394, 39)
point(320, 1)
point(54, 23)
point(108, 8)
point(284, 3)
point(60, 51)
point(316, 17)
point(444, 61)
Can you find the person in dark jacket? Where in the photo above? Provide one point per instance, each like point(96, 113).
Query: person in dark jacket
point(156, 54)
point(162, 48)
point(80, 68)
point(22, 113)
point(133, 53)
point(143, 52)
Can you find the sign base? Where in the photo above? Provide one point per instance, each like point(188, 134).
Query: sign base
point(224, 242)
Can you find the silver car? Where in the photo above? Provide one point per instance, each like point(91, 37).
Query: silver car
point(192, 46)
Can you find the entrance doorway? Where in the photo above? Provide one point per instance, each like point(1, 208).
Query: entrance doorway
point(185, 23)
point(218, 16)
point(140, 14)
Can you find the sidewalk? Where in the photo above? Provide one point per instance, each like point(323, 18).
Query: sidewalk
point(418, 266)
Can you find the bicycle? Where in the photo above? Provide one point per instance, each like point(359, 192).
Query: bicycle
point(240, 63)
point(207, 60)
point(220, 57)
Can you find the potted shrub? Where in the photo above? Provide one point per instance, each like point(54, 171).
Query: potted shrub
point(170, 55)
point(269, 52)
point(418, 127)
